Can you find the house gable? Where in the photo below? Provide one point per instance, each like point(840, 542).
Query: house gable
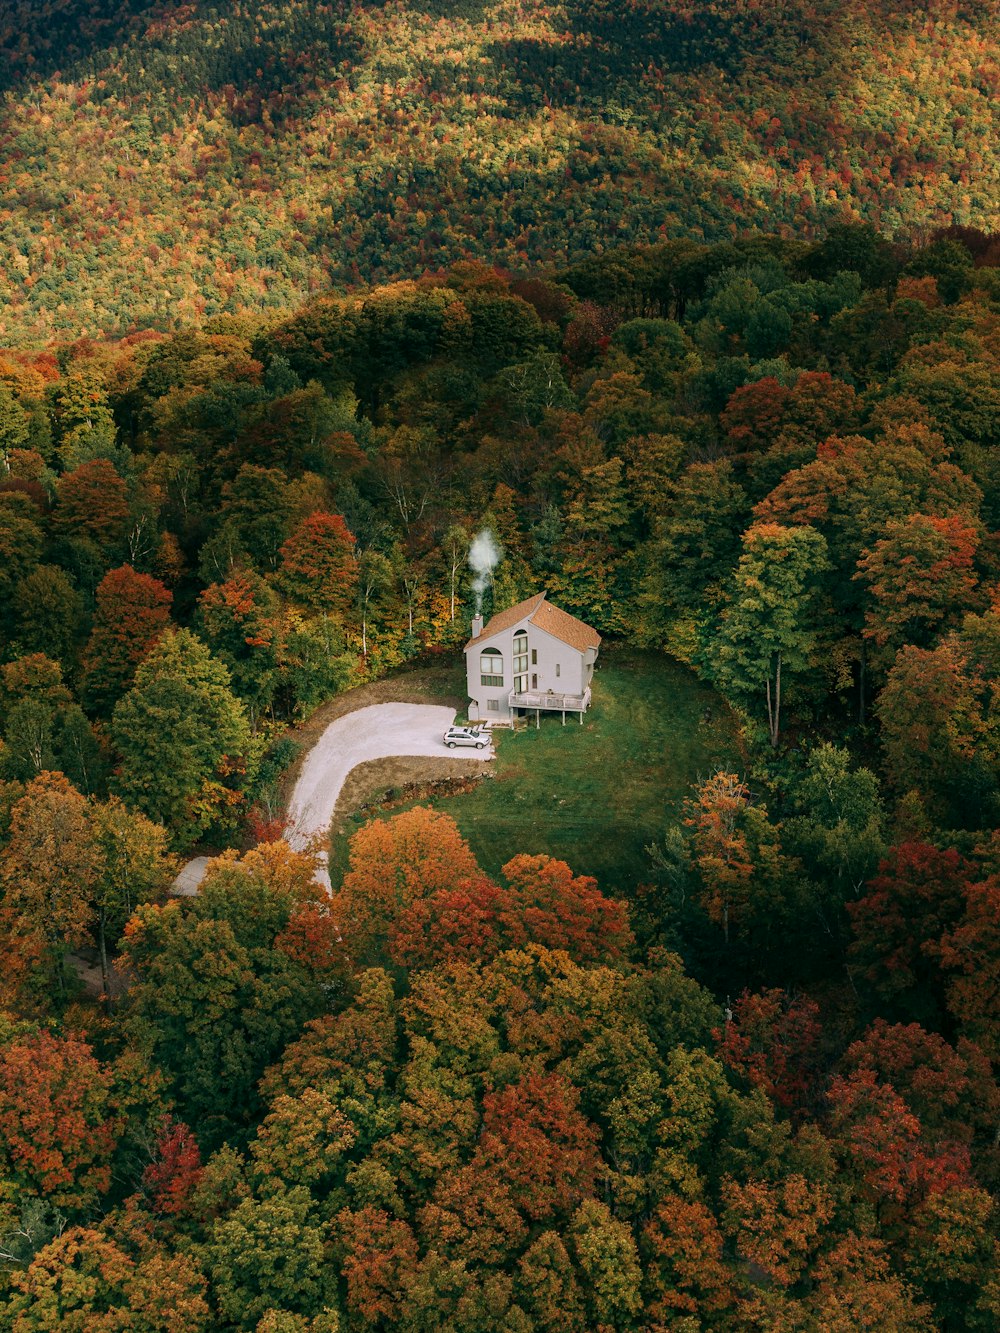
point(562, 653)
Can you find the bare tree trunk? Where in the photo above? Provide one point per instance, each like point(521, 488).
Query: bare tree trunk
point(777, 704)
point(774, 706)
point(102, 943)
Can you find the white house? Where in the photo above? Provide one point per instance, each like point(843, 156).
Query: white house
point(530, 658)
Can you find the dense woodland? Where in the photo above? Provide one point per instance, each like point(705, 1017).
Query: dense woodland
point(755, 1091)
point(162, 163)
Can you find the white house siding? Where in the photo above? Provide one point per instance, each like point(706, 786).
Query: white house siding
point(552, 665)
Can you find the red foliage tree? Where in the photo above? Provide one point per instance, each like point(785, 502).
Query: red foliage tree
point(951, 1088)
point(58, 1129)
point(379, 1258)
point(753, 416)
point(920, 577)
point(176, 1170)
point(883, 1141)
point(317, 564)
point(686, 1271)
point(772, 1040)
point(132, 612)
point(542, 1147)
point(972, 951)
point(915, 899)
point(550, 906)
point(312, 939)
point(460, 923)
point(92, 502)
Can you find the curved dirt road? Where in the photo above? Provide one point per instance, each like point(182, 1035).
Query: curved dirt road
point(380, 731)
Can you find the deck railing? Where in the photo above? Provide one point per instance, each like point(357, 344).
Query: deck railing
point(549, 701)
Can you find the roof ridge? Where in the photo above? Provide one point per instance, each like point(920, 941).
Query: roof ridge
point(535, 606)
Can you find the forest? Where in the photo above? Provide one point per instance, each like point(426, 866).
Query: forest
point(163, 163)
point(754, 1090)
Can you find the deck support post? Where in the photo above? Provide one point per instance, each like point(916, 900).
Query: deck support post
point(538, 715)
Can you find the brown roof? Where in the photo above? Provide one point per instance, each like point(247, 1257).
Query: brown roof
point(560, 624)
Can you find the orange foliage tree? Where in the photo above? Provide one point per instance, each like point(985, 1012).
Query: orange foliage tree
point(58, 1127)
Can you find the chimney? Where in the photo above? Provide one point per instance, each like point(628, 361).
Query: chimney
point(477, 625)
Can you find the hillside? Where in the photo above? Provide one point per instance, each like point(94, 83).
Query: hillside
point(729, 1066)
point(162, 163)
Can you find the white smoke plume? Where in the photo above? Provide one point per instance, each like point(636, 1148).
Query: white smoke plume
point(484, 556)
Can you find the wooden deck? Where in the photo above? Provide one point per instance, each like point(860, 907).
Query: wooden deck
point(546, 701)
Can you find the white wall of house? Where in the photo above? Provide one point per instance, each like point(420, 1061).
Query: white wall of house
point(550, 665)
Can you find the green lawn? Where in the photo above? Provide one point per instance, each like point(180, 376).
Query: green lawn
point(596, 795)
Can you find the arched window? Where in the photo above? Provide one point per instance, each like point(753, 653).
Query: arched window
point(491, 667)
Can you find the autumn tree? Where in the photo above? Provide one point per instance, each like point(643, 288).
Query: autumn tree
point(48, 871)
point(550, 906)
point(970, 953)
point(920, 577)
point(772, 1040)
point(85, 1281)
point(317, 564)
point(899, 923)
point(941, 732)
point(132, 612)
point(743, 882)
point(393, 865)
point(58, 1127)
point(174, 729)
point(92, 502)
point(769, 623)
point(175, 1171)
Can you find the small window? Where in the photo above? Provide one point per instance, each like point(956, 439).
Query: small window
point(557, 668)
point(534, 657)
point(493, 705)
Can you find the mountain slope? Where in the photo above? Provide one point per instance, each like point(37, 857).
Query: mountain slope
point(162, 163)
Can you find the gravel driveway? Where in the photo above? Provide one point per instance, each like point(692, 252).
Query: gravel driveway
point(381, 731)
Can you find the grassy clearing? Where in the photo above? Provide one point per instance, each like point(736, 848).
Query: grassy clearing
point(595, 795)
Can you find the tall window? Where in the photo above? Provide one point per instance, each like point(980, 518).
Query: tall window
point(491, 668)
point(520, 663)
